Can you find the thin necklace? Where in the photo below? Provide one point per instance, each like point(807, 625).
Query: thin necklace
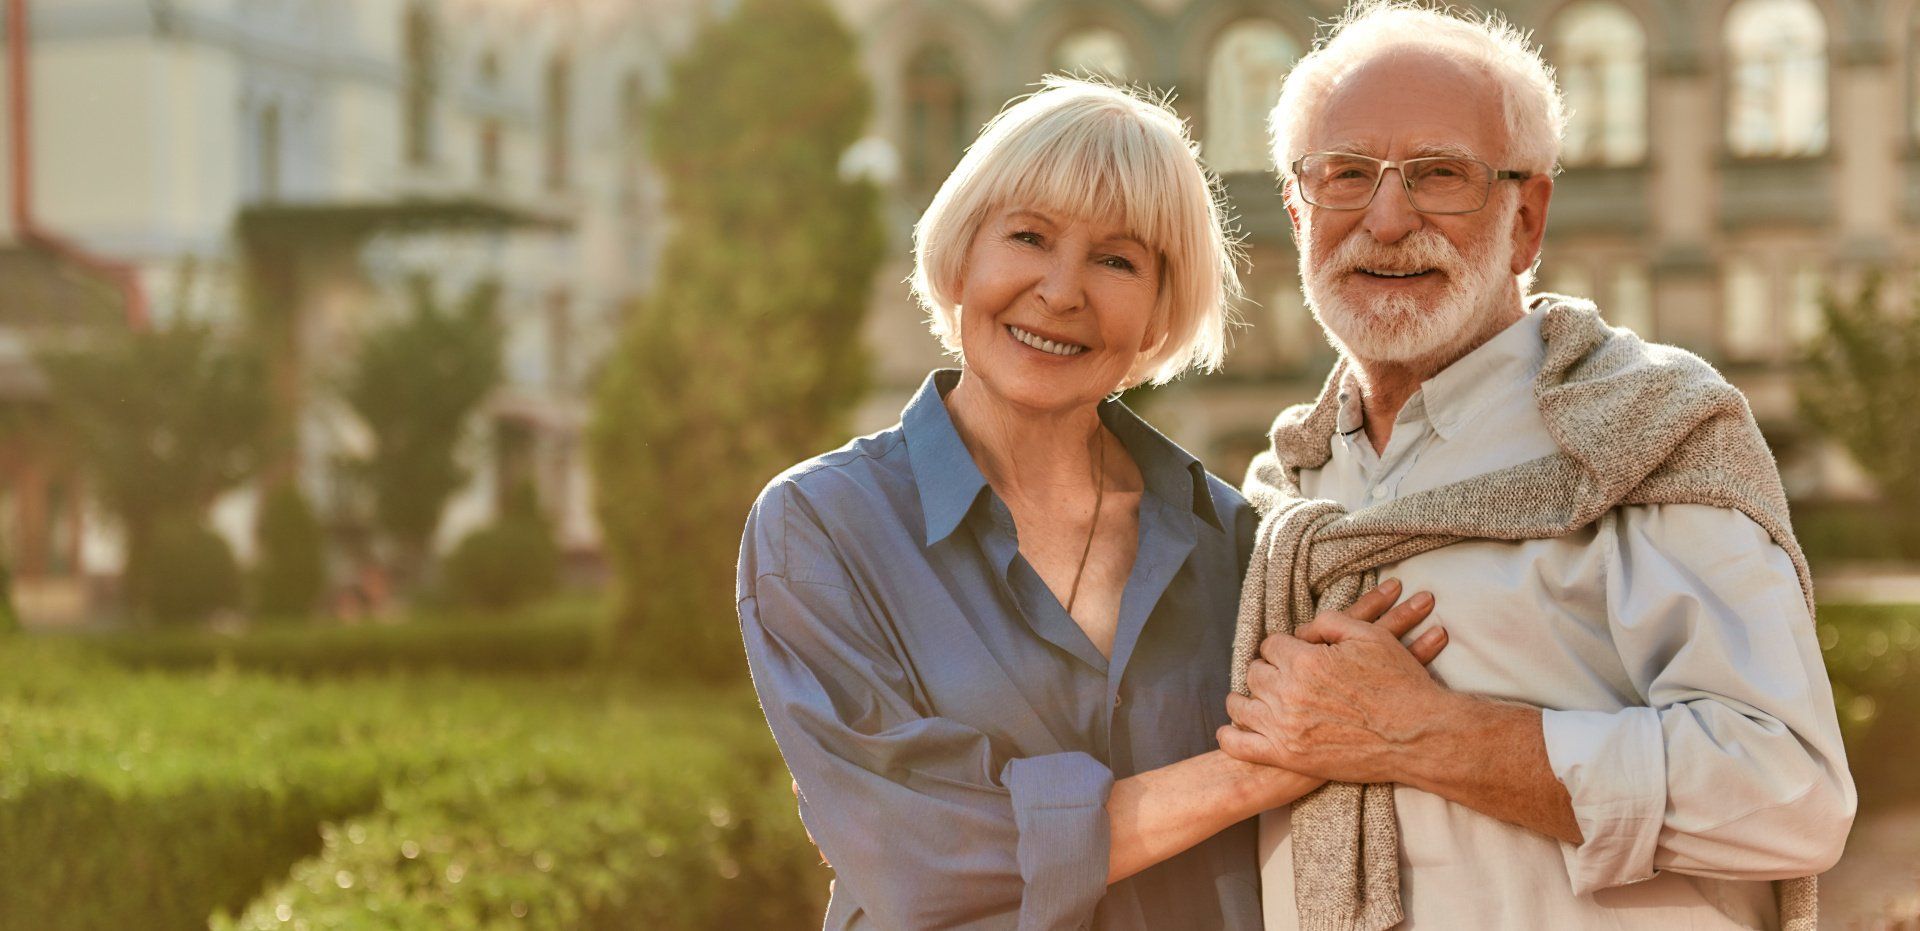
point(1099, 494)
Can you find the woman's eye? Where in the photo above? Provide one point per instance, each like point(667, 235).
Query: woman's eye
point(1029, 237)
point(1118, 262)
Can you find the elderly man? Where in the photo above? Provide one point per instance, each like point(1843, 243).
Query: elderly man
point(1632, 727)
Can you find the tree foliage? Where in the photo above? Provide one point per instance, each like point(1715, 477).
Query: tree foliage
point(747, 356)
point(414, 383)
point(165, 420)
point(1861, 387)
point(290, 574)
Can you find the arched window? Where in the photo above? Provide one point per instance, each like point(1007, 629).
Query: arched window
point(559, 121)
point(1776, 78)
point(937, 130)
point(1600, 53)
point(422, 85)
point(489, 138)
point(1243, 81)
point(1095, 50)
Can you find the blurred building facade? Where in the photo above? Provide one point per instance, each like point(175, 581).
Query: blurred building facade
point(338, 153)
point(1727, 161)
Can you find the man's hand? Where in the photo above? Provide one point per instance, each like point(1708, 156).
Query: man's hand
point(1342, 696)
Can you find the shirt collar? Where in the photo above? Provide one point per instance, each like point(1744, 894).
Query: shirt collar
point(1462, 390)
point(950, 483)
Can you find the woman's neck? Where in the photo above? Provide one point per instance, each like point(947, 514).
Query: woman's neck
point(1027, 454)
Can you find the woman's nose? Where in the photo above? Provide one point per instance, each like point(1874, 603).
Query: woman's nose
point(1063, 287)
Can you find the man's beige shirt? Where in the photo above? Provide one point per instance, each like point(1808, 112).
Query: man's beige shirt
point(1687, 708)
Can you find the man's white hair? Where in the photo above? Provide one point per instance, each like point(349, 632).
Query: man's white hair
point(1090, 150)
point(1530, 101)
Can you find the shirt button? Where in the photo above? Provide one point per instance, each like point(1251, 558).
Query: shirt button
point(1379, 491)
point(1118, 699)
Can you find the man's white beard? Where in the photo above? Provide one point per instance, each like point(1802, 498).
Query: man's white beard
point(1399, 328)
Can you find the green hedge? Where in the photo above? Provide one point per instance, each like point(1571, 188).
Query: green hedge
point(561, 634)
point(1873, 658)
point(437, 800)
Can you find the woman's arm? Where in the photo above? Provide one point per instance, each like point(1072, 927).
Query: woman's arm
point(1158, 814)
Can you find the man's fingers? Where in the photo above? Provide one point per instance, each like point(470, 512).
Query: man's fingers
point(1428, 645)
point(1332, 627)
point(1377, 601)
point(1237, 707)
point(1241, 745)
point(1277, 648)
point(1407, 615)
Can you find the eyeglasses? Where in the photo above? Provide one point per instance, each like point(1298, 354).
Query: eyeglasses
point(1444, 184)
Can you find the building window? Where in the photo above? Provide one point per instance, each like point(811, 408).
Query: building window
point(1249, 61)
point(1746, 314)
point(937, 128)
point(559, 98)
point(267, 150)
point(1806, 320)
point(422, 86)
point(1776, 79)
point(1094, 51)
point(633, 140)
point(1600, 54)
point(489, 141)
point(1631, 303)
point(559, 341)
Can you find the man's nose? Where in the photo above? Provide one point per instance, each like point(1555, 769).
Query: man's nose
point(1391, 215)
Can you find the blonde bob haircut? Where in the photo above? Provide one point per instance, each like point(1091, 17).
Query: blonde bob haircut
point(1105, 154)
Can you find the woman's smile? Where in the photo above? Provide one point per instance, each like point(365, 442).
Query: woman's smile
point(1052, 347)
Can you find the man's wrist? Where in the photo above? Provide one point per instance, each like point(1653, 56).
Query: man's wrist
point(1438, 750)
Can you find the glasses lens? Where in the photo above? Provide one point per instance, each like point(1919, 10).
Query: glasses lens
point(1338, 182)
point(1448, 185)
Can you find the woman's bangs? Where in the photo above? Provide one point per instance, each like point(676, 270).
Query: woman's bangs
point(1102, 174)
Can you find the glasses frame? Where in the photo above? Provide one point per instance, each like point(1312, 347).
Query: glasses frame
point(1406, 184)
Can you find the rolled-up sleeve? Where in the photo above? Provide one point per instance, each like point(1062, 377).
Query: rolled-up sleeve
point(1732, 768)
point(924, 823)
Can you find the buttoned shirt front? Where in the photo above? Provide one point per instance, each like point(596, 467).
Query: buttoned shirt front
point(1686, 706)
point(953, 732)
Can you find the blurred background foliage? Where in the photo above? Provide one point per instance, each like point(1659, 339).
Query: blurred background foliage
point(747, 358)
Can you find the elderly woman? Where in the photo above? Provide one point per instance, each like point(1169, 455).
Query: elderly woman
point(992, 641)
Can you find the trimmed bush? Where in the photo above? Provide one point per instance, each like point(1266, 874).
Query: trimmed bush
point(292, 569)
point(558, 635)
point(193, 573)
point(144, 800)
point(508, 564)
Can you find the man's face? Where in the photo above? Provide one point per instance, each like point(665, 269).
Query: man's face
point(1391, 284)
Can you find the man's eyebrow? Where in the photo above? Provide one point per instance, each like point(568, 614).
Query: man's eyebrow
point(1443, 150)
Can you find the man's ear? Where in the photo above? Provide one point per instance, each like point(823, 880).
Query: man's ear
point(1293, 208)
point(1530, 224)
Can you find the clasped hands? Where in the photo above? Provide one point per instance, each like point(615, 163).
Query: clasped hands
point(1341, 698)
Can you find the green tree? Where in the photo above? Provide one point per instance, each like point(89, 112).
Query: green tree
point(747, 356)
point(165, 421)
point(290, 572)
point(1861, 387)
point(414, 383)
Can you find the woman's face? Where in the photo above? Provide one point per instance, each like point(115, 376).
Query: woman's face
point(1055, 310)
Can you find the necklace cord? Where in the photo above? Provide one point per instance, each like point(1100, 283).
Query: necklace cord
point(1099, 494)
